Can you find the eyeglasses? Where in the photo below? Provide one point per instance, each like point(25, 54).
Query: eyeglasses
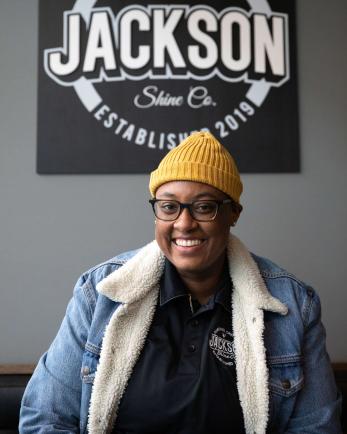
point(200, 210)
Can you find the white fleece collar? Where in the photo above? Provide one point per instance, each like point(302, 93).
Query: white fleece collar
point(248, 282)
point(136, 277)
point(127, 285)
point(136, 286)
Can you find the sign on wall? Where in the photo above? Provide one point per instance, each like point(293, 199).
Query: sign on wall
point(122, 83)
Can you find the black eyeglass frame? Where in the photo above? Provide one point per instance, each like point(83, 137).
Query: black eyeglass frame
point(219, 203)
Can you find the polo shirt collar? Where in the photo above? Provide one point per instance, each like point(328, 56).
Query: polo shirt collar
point(172, 287)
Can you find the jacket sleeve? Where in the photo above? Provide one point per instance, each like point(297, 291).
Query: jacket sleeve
point(51, 402)
point(317, 409)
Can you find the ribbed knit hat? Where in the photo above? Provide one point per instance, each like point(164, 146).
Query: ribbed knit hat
point(201, 158)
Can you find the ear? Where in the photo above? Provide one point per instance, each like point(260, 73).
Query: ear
point(232, 218)
point(236, 210)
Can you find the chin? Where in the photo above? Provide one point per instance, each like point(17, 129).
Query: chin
point(189, 267)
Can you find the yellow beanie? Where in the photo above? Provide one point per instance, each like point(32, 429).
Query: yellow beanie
point(201, 158)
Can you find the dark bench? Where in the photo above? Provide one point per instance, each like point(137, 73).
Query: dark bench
point(13, 379)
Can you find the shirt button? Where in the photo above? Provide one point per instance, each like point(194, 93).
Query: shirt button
point(85, 370)
point(195, 323)
point(192, 348)
point(286, 384)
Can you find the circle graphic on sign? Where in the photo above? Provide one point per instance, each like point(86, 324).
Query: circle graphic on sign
point(222, 345)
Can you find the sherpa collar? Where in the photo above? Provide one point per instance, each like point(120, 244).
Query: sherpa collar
point(132, 281)
point(136, 277)
point(136, 286)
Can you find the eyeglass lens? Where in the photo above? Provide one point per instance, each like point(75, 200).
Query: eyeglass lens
point(200, 210)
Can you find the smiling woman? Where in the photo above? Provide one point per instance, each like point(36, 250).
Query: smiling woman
point(192, 334)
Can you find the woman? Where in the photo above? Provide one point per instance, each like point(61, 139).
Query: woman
point(191, 334)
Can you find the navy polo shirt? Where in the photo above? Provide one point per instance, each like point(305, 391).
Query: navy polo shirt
point(184, 381)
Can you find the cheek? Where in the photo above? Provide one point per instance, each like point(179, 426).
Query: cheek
point(162, 235)
point(219, 237)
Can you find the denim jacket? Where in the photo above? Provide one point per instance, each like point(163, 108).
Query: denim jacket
point(284, 377)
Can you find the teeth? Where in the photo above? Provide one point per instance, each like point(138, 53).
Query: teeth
point(188, 243)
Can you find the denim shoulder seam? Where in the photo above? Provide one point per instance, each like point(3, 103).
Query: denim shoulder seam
point(113, 261)
point(90, 297)
point(308, 303)
point(281, 274)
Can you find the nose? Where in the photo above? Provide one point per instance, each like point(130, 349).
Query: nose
point(185, 221)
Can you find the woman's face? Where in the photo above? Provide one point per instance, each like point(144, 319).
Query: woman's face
point(206, 256)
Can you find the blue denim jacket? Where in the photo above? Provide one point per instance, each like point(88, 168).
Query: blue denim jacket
point(301, 388)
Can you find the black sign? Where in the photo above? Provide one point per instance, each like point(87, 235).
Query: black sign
point(122, 83)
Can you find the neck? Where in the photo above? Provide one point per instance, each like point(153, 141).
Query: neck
point(201, 286)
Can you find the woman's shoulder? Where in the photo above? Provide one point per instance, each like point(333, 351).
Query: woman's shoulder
point(284, 285)
point(98, 272)
point(86, 285)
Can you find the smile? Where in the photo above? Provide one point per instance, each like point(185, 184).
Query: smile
point(187, 243)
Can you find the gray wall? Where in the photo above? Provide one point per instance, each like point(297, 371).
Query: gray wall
point(55, 227)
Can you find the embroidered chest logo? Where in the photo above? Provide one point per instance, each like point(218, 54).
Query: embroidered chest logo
point(222, 346)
